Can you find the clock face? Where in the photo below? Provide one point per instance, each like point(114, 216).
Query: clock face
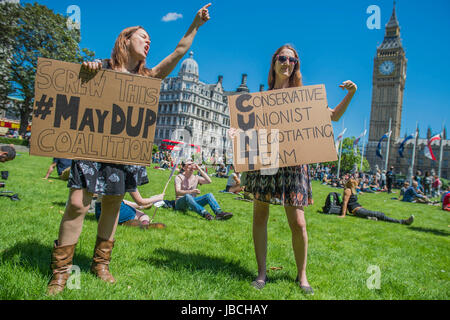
point(387, 67)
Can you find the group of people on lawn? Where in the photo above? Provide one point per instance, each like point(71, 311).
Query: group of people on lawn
point(289, 187)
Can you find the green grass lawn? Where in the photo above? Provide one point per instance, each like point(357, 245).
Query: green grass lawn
point(198, 259)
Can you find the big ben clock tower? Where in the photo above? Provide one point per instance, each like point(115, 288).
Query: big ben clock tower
point(389, 75)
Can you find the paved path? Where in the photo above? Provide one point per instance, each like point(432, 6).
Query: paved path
point(19, 148)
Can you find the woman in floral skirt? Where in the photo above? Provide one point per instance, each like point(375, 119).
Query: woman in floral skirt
point(112, 181)
point(289, 186)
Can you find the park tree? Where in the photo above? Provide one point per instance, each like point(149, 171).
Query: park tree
point(155, 149)
point(27, 33)
point(6, 50)
point(349, 159)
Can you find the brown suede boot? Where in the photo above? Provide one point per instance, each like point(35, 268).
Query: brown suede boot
point(60, 265)
point(101, 260)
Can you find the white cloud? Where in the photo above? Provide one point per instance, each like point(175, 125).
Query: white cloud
point(172, 16)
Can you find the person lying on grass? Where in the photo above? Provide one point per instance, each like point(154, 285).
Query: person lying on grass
point(62, 166)
point(129, 214)
point(350, 204)
point(7, 153)
point(186, 192)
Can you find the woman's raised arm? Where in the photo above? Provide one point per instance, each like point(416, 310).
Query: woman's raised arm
point(337, 112)
point(165, 67)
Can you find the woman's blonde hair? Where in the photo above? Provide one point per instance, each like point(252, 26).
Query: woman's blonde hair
point(119, 55)
point(295, 79)
point(351, 184)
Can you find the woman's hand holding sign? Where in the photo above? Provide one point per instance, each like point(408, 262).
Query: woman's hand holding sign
point(92, 66)
point(233, 132)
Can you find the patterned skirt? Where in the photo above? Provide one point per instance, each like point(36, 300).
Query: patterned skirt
point(289, 186)
point(106, 178)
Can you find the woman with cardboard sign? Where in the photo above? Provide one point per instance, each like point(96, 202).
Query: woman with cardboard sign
point(290, 186)
point(112, 181)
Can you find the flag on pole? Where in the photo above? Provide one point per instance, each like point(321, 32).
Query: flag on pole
point(386, 135)
point(428, 151)
point(177, 161)
point(339, 139)
point(401, 149)
point(355, 143)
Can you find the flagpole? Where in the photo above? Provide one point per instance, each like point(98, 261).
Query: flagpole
point(340, 150)
point(175, 165)
point(440, 156)
point(364, 139)
point(414, 153)
point(387, 147)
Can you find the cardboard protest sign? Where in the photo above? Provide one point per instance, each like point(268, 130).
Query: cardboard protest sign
point(106, 116)
point(281, 128)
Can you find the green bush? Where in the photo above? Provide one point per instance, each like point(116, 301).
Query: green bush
point(15, 141)
point(445, 183)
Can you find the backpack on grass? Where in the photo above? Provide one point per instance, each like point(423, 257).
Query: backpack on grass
point(333, 204)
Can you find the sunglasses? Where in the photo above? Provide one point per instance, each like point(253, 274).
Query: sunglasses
point(283, 59)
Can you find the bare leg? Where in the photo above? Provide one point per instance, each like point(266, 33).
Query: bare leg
point(109, 218)
point(297, 223)
point(236, 189)
point(260, 218)
point(72, 221)
point(142, 217)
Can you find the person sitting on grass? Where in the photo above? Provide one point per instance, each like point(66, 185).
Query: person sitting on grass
point(374, 184)
point(62, 166)
point(187, 193)
point(446, 199)
point(365, 187)
point(404, 188)
point(234, 183)
point(350, 204)
point(7, 153)
point(419, 189)
point(204, 168)
point(221, 171)
point(411, 195)
point(325, 179)
point(358, 186)
point(164, 164)
point(129, 214)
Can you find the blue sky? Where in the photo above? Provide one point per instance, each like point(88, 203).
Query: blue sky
point(332, 38)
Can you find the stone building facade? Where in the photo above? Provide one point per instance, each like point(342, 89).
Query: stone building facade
point(191, 110)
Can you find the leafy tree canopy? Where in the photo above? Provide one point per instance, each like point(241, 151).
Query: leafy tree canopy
point(26, 33)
